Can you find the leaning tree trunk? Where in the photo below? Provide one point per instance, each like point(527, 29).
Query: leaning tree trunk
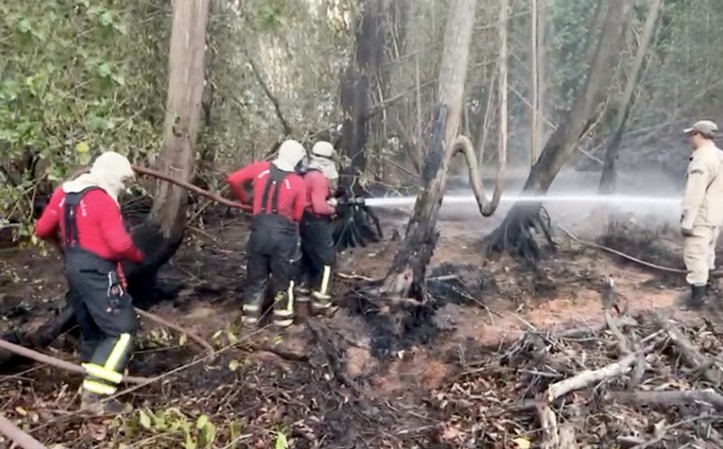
point(367, 62)
point(162, 233)
point(515, 233)
point(406, 275)
point(609, 176)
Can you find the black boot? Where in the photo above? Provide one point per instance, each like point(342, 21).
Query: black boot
point(284, 308)
point(696, 299)
point(252, 308)
point(709, 285)
point(302, 297)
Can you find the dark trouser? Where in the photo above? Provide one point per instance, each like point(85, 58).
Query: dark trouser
point(271, 250)
point(318, 257)
point(106, 320)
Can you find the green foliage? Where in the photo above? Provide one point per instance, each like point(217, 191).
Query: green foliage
point(568, 40)
point(78, 77)
point(198, 433)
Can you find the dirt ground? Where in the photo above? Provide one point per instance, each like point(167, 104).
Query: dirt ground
point(409, 378)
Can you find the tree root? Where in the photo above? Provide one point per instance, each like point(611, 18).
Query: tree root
point(52, 361)
point(515, 237)
point(16, 434)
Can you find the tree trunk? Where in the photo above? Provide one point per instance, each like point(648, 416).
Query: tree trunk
point(514, 234)
point(537, 34)
point(368, 60)
point(162, 233)
point(608, 179)
point(406, 275)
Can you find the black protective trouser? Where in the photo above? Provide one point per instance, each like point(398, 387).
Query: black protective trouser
point(105, 315)
point(272, 249)
point(318, 258)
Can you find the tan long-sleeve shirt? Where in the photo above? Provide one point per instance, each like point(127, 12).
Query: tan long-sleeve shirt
point(703, 201)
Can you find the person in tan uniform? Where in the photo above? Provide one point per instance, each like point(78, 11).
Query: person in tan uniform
point(702, 213)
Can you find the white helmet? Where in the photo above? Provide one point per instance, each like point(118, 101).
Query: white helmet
point(323, 149)
point(291, 153)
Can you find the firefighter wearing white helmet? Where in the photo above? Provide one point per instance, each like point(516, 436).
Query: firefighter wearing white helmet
point(317, 245)
point(278, 204)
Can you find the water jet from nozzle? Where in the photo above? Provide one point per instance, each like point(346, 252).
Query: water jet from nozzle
point(580, 199)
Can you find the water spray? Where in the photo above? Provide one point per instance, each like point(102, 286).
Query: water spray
point(583, 199)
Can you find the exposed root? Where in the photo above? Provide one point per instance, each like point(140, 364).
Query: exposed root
point(515, 234)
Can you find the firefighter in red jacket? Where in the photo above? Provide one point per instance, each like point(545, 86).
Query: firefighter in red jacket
point(278, 202)
point(317, 245)
point(94, 241)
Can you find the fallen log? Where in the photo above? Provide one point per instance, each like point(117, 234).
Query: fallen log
point(19, 437)
point(669, 398)
point(52, 361)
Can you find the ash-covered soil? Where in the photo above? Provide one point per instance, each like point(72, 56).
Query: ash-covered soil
point(471, 368)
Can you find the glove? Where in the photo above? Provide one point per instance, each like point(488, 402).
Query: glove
point(332, 202)
point(687, 232)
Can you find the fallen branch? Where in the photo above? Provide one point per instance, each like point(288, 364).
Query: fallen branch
point(19, 437)
point(52, 361)
point(629, 257)
point(669, 398)
point(158, 320)
point(580, 332)
point(689, 352)
point(590, 377)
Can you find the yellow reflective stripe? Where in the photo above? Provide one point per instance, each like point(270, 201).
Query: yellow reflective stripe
point(319, 295)
point(325, 280)
point(117, 353)
point(284, 323)
point(98, 387)
point(290, 293)
point(102, 373)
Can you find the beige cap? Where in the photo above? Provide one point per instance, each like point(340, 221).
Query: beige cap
point(704, 127)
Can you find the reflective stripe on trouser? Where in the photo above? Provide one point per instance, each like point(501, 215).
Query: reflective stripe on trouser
point(284, 307)
point(105, 372)
point(251, 313)
point(322, 298)
point(698, 254)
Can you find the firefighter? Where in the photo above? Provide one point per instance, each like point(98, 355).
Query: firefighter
point(278, 203)
point(317, 245)
point(702, 211)
point(94, 240)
